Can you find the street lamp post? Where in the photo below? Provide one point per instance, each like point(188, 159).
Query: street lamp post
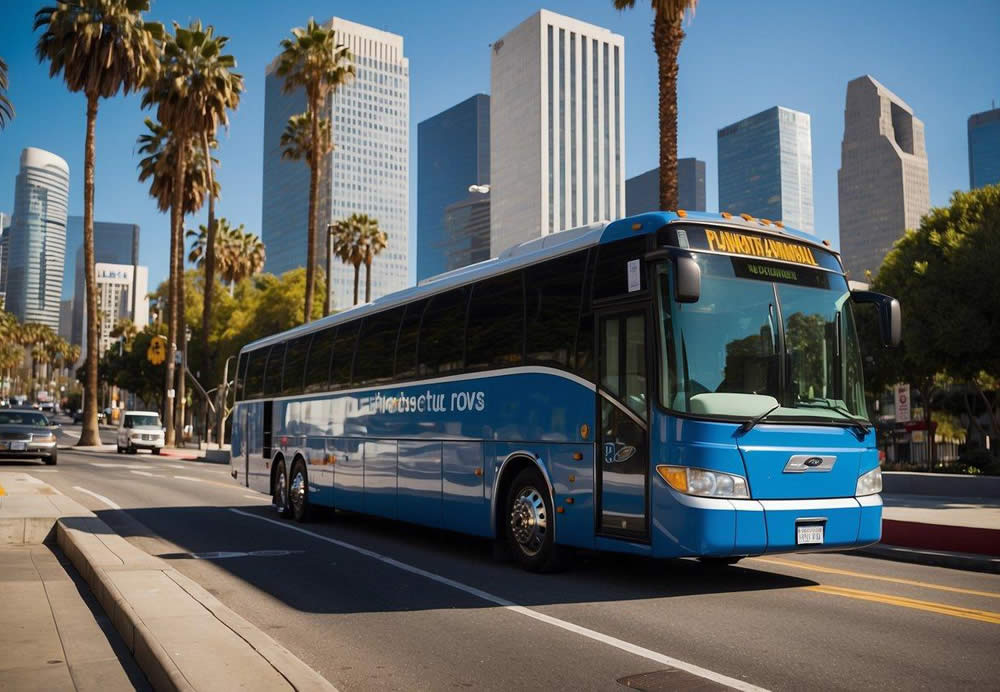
point(329, 268)
point(223, 395)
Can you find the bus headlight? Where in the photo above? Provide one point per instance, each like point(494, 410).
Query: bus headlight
point(870, 483)
point(703, 482)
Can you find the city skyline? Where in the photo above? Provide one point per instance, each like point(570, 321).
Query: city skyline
point(984, 148)
point(50, 117)
point(642, 192)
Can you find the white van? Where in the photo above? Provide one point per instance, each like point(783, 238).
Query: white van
point(140, 430)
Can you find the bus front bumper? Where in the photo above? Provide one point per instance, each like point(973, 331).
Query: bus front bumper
point(701, 526)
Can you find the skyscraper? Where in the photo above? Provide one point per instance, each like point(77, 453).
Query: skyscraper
point(367, 172)
point(114, 243)
point(121, 294)
point(453, 152)
point(642, 192)
point(984, 148)
point(765, 167)
point(4, 237)
point(37, 243)
point(467, 230)
point(557, 128)
point(883, 183)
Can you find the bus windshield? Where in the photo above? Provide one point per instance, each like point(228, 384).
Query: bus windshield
point(762, 336)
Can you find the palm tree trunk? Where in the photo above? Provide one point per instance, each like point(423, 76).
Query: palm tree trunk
point(368, 280)
point(313, 194)
point(329, 273)
point(357, 273)
point(181, 341)
point(89, 435)
point(176, 230)
point(667, 38)
point(209, 291)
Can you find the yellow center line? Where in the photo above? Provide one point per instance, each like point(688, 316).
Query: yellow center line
point(864, 575)
point(929, 606)
point(2, 491)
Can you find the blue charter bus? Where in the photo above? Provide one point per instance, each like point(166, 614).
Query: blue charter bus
point(670, 385)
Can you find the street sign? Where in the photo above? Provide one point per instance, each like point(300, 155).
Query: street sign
point(902, 392)
point(157, 351)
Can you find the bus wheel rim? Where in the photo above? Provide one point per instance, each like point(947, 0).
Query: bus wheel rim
point(280, 492)
point(529, 520)
point(298, 491)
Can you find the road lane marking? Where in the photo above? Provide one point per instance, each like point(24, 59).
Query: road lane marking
point(230, 486)
point(176, 466)
point(143, 473)
point(103, 499)
point(929, 606)
point(864, 575)
point(620, 644)
point(257, 497)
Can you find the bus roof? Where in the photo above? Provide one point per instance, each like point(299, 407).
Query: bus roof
point(535, 251)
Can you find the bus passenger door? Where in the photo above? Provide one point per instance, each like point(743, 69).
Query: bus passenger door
point(623, 402)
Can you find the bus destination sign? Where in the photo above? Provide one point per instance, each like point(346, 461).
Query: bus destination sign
point(734, 243)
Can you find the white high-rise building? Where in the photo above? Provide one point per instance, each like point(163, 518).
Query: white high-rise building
point(121, 294)
point(557, 128)
point(366, 173)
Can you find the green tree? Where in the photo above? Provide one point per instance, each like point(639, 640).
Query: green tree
point(159, 163)
point(6, 107)
point(100, 47)
point(945, 275)
point(192, 94)
point(373, 241)
point(347, 246)
point(313, 60)
point(668, 34)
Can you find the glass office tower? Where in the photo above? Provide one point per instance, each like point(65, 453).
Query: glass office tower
point(366, 173)
point(765, 167)
point(453, 152)
point(37, 243)
point(642, 192)
point(984, 148)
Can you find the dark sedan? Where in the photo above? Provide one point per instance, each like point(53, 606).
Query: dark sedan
point(27, 434)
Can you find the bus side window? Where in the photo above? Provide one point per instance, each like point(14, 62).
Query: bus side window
point(376, 347)
point(495, 331)
point(442, 333)
point(254, 380)
point(611, 274)
point(406, 344)
point(295, 364)
point(583, 363)
point(343, 355)
point(272, 373)
point(552, 291)
point(318, 360)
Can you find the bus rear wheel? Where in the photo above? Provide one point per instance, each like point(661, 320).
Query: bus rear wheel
point(529, 523)
point(298, 492)
point(279, 494)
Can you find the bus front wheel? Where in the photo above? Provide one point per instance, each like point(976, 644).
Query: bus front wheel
point(529, 523)
point(279, 495)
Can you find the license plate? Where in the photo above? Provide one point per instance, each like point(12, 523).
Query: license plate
point(809, 534)
point(18, 446)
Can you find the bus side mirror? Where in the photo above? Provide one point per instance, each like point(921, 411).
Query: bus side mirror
point(687, 280)
point(890, 316)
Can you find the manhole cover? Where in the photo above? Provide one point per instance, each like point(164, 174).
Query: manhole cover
point(669, 679)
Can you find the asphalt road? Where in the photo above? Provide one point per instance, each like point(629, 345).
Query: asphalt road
point(373, 604)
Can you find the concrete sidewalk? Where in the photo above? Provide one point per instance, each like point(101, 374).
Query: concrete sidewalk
point(53, 635)
point(182, 637)
point(960, 532)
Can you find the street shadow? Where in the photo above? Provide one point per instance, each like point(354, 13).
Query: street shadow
point(22, 462)
point(330, 573)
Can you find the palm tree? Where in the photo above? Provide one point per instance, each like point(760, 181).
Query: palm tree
point(251, 255)
point(296, 143)
point(373, 241)
point(191, 101)
point(101, 47)
point(159, 164)
point(229, 242)
point(313, 60)
point(667, 37)
point(347, 247)
point(6, 107)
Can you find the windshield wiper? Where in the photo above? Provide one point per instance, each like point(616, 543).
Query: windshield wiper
point(749, 425)
point(859, 426)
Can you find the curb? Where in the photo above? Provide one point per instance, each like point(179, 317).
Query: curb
point(965, 561)
point(105, 560)
point(941, 537)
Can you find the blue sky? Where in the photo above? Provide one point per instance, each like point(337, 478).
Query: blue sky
point(738, 59)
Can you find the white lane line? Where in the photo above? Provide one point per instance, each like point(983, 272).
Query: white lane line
point(45, 471)
point(103, 499)
point(144, 473)
point(176, 466)
point(189, 478)
point(257, 497)
point(620, 644)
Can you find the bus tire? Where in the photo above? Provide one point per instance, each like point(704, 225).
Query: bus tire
point(298, 492)
point(279, 490)
point(529, 523)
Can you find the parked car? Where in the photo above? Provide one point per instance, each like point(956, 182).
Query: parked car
point(27, 434)
point(78, 415)
point(140, 430)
